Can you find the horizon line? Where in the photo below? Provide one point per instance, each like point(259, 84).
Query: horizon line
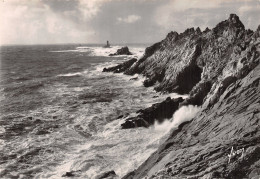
point(18, 44)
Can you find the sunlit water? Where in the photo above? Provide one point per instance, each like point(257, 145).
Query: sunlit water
point(59, 113)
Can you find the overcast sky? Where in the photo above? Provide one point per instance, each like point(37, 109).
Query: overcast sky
point(119, 21)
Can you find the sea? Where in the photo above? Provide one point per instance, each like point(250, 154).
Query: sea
point(59, 112)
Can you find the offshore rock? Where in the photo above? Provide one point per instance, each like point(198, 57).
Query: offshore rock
point(121, 67)
point(72, 174)
point(122, 51)
point(158, 112)
point(107, 175)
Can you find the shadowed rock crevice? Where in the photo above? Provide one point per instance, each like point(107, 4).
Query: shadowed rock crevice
point(186, 80)
point(198, 94)
point(157, 77)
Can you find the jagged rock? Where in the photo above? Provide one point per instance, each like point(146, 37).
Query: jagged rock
point(222, 68)
point(122, 51)
point(148, 52)
point(257, 33)
point(72, 174)
point(158, 112)
point(107, 175)
point(198, 31)
point(200, 148)
point(68, 174)
point(198, 93)
point(206, 30)
point(194, 61)
point(201, 64)
point(121, 67)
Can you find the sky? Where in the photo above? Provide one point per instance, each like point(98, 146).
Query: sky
point(119, 21)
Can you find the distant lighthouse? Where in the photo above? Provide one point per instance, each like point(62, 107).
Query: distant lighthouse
point(107, 45)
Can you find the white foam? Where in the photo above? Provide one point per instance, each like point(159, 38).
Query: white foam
point(176, 95)
point(2, 144)
point(67, 51)
point(101, 51)
point(71, 74)
point(2, 130)
point(185, 113)
point(107, 148)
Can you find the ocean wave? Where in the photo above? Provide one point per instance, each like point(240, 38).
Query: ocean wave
point(185, 113)
point(70, 74)
point(75, 50)
point(80, 119)
point(101, 51)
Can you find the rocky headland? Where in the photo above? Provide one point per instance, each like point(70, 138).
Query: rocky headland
point(219, 69)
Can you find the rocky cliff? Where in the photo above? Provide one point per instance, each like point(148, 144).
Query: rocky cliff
point(201, 148)
point(193, 60)
point(219, 69)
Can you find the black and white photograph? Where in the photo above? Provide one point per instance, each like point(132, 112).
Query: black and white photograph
point(130, 89)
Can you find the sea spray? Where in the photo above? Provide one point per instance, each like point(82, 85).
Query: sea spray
point(185, 113)
point(69, 123)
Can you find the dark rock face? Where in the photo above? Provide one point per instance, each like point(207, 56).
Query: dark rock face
point(181, 61)
point(148, 52)
point(122, 51)
point(200, 148)
point(158, 111)
point(68, 174)
point(121, 67)
point(202, 64)
point(223, 71)
point(72, 174)
point(107, 175)
point(198, 93)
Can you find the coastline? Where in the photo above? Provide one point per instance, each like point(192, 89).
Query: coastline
point(215, 65)
point(74, 128)
point(150, 89)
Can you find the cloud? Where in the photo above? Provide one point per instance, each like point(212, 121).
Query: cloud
point(129, 19)
point(90, 8)
point(37, 21)
point(181, 14)
point(92, 21)
point(244, 9)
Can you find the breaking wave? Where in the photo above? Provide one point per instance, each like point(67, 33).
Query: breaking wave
point(100, 51)
point(185, 113)
point(63, 118)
